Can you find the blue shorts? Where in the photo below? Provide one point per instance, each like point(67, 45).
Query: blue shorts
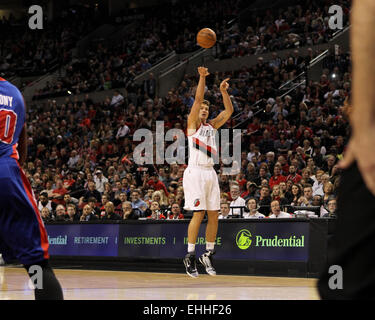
point(22, 233)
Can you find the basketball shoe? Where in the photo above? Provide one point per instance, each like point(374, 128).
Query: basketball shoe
point(191, 265)
point(206, 260)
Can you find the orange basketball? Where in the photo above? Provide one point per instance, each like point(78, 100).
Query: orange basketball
point(206, 38)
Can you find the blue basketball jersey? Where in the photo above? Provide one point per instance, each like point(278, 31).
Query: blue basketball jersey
point(22, 233)
point(12, 118)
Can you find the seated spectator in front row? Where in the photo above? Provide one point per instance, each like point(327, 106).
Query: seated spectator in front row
point(175, 212)
point(60, 213)
point(253, 213)
point(46, 215)
point(332, 207)
point(72, 215)
point(154, 212)
point(128, 213)
point(224, 210)
point(276, 211)
point(88, 214)
point(109, 212)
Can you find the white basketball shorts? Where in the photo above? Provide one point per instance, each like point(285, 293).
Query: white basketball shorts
point(201, 189)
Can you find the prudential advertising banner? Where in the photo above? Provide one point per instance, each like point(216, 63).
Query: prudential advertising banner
point(242, 240)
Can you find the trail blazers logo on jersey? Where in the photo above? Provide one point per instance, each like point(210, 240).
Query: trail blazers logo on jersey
point(196, 203)
point(209, 151)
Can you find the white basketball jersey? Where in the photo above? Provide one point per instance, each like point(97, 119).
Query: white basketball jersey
point(202, 146)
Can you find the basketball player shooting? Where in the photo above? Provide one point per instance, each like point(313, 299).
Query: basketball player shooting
point(200, 182)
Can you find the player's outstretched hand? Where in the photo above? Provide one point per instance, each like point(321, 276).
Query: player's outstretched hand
point(203, 71)
point(224, 85)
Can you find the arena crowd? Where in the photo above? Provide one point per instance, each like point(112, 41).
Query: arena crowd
point(81, 163)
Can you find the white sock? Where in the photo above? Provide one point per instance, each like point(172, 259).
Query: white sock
point(191, 247)
point(210, 246)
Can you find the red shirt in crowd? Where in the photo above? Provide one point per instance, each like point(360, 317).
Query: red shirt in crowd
point(60, 192)
point(158, 186)
point(180, 216)
point(276, 180)
point(296, 178)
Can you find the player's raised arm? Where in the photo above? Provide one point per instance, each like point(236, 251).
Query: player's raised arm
point(225, 115)
point(199, 97)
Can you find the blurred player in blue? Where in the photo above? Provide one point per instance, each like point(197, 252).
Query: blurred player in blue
point(23, 236)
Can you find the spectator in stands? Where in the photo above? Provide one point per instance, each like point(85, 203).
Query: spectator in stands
point(306, 177)
point(110, 213)
point(72, 215)
point(47, 215)
point(332, 207)
point(293, 175)
point(237, 201)
point(176, 212)
point(105, 200)
point(264, 200)
point(100, 180)
point(43, 202)
point(122, 131)
point(251, 189)
point(160, 198)
point(253, 213)
point(68, 199)
point(277, 177)
point(61, 213)
point(278, 194)
point(328, 192)
point(73, 160)
point(154, 212)
point(318, 202)
point(137, 202)
point(128, 213)
point(149, 86)
point(318, 184)
point(59, 192)
point(156, 184)
point(297, 192)
point(88, 214)
point(329, 164)
point(92, 192)
point(224, 210)
point(276, 211)
point(306, 199)
point(117, 99)
point(119, 201)
point(171, 201)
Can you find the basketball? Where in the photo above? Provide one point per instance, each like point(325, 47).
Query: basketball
point(206, 38)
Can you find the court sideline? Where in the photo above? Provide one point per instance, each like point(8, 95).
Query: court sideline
point(123, 285)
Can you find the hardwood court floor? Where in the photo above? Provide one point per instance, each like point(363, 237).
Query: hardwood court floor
point(121, 285)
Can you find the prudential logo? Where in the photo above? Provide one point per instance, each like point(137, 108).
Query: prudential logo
point(243, 239)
